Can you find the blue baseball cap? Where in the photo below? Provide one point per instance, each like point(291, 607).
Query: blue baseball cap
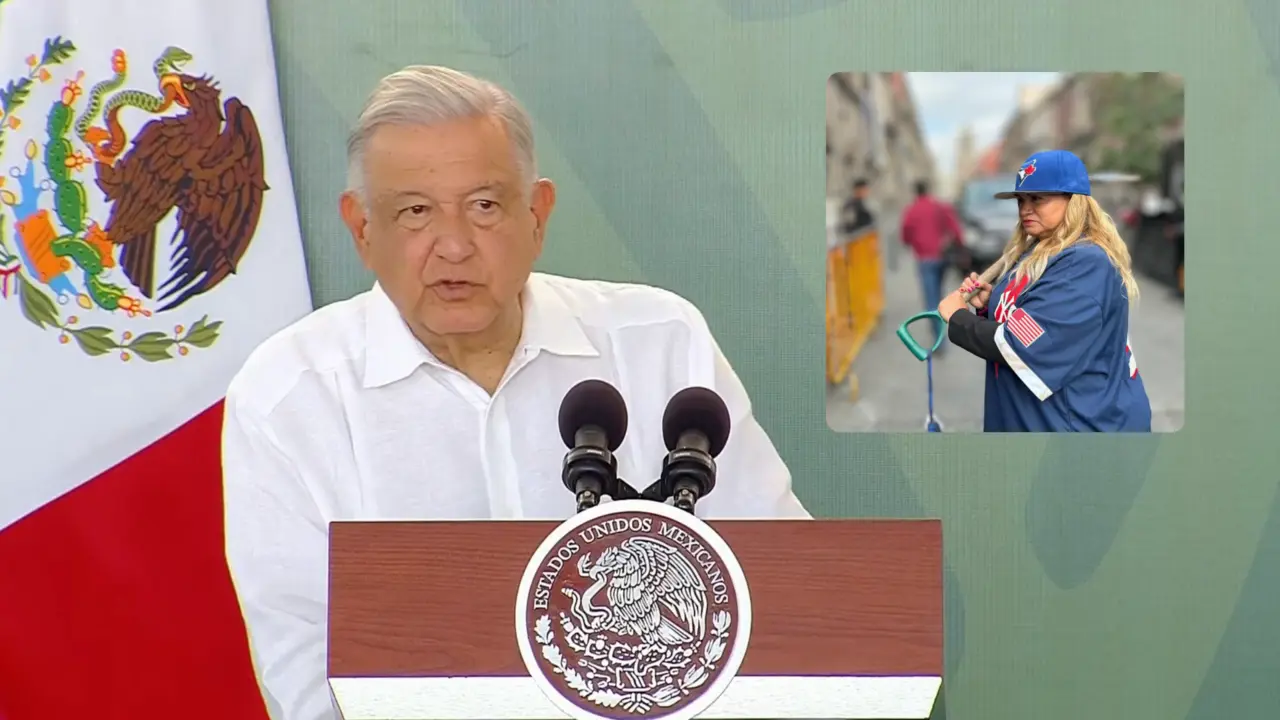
point(1051, 171)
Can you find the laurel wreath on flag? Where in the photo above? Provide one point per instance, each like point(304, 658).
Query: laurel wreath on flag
point(663, 696)
point(151, 346)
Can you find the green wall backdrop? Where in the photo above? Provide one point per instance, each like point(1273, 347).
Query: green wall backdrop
point(1088, 577)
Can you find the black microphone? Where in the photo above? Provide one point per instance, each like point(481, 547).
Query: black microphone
point(593, 422)
point(695, 428)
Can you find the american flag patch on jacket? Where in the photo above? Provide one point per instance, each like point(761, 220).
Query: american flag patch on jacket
point(1024, 327)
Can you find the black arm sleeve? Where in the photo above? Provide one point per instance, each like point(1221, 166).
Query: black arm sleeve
point(975, 334)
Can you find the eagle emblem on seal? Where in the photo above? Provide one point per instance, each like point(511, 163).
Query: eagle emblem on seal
point(654, 595)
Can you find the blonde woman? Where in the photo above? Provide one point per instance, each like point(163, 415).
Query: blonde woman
point(1057, 341)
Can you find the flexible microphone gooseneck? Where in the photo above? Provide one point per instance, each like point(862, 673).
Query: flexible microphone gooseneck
point(593, 422)
point(695, 428)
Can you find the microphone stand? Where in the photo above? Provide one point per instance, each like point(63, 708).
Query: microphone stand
point(619, 489)
point(688, 473)
point(591, 472)
point(622, 490)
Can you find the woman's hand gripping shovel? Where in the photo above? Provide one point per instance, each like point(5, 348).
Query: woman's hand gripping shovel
point(931, 423)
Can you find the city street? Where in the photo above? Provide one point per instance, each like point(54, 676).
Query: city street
point(892, 383)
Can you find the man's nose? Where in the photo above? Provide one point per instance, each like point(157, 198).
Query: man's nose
point(456, 239)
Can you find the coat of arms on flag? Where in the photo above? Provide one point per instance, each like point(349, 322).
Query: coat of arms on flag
point(83, 199)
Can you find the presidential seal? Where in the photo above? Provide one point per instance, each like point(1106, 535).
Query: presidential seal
point(633, 609)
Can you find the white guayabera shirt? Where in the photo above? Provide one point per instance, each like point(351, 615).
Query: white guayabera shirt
point(346, 416)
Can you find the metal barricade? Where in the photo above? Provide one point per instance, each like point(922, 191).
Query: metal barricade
point(855, 300)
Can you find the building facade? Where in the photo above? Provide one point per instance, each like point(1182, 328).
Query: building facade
point(873, 132)
point(1060, 116)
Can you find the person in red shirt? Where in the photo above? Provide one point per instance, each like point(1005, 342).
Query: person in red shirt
point(929, 226)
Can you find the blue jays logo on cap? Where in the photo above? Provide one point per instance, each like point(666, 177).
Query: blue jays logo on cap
point(1026, 171)
point(1051, 171)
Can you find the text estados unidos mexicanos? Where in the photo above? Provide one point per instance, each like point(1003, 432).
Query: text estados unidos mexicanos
point(697, 551)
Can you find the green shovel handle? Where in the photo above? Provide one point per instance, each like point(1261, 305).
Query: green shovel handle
point(904, 334)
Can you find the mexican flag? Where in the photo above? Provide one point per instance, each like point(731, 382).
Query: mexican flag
point(148, 243)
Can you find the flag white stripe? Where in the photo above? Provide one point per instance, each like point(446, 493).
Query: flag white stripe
point(80, 413)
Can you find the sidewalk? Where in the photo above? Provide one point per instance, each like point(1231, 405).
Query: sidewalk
point(892, 383)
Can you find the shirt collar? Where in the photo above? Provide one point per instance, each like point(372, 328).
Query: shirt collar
point(392, 352)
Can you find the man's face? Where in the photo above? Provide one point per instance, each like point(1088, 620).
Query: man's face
point(450, 230)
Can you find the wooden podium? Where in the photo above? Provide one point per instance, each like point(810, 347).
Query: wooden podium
point(847, 620)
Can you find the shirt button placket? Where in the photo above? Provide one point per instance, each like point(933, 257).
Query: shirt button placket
point(501, 475)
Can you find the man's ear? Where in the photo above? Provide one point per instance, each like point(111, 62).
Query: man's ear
point(352, 210)
point(542, 201)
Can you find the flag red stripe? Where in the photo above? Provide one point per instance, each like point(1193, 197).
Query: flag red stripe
point(1024, 331)
point(116, 602)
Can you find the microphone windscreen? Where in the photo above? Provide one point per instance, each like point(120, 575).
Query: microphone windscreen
point(700, 409)
point(593, 402)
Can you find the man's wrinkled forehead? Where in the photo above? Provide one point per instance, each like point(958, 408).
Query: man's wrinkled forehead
point(449, 157)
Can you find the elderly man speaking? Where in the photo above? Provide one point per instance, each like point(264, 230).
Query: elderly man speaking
point(434, 395)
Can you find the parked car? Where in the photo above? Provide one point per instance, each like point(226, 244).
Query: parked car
point(1158, 231)
point(988, 223)
point(1173, 185)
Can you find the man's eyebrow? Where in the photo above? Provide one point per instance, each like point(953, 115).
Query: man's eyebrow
point(396, 195)
point(400, 195)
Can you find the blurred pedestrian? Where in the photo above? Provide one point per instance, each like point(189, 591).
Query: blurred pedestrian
point(1057, 341)
point(929, 226)
point(854, 216)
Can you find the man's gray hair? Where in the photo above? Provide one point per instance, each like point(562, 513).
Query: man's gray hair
point(429, 95)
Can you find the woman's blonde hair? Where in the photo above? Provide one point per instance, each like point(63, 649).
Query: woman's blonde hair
point(1083, 222)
